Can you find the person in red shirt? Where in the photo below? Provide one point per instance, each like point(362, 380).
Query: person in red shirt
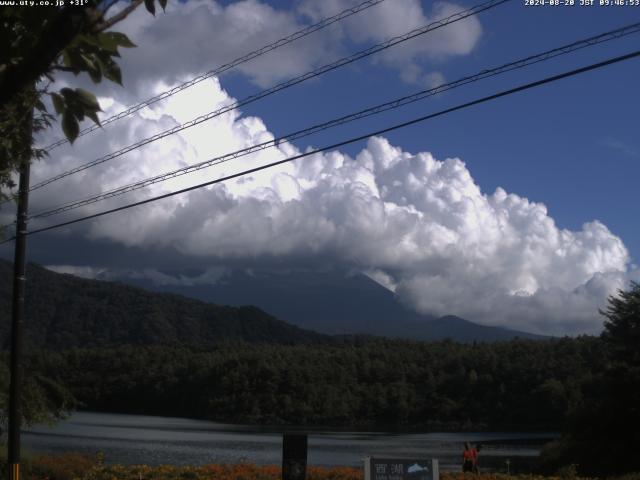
point(474, 454)
point(468, 458)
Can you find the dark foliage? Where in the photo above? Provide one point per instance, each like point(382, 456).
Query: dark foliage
point(510, 385)
point(122, 349)
point(44, 398)
point(37, 43)
point(604, 430)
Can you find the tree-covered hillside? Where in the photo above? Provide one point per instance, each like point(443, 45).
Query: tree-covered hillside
point(63, 311)
point(510, 385)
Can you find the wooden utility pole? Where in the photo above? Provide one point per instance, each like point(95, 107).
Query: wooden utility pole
point(17, 309)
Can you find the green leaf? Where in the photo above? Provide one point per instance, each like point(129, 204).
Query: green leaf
point(66, 58)
point(121, 39)
point(89, 39)
point(151, 7)
point(110, 70)
point(93, 116)
point(88, 99)
point(108, 42)
point(73, 60)
point(76, 108)
point(68, 94)
point(163, 4)
point(92, 68)
point(95, 74)
point(88, 61)
point(70, 126)
point(58, 103)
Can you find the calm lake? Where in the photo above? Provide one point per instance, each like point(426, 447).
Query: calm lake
point(136, 439)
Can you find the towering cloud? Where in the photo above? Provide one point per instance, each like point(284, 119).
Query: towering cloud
point(420, 225)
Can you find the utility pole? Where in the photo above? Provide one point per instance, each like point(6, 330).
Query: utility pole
point(17, 309)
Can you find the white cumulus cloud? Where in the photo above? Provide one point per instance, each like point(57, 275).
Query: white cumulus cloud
point(391, 19)
point(419, 224)
point(201, 35)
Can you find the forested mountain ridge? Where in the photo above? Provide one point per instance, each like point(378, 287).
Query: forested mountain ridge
point(64, 311)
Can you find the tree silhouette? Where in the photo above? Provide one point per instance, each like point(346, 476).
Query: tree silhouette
point(603, 430)
point(39, 43)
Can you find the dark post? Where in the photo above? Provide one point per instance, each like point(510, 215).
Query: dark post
point(17, 317)
point(294, 456)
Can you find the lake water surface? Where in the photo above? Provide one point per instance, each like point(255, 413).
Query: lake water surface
point(136, 439)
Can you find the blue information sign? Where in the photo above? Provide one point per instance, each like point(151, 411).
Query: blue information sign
point(400, 469)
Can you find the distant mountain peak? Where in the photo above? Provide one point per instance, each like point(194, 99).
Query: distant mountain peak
point(70, 311)
point(333, 302)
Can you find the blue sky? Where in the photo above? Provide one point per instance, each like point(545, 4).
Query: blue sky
point(516, 212)
point(572, 145)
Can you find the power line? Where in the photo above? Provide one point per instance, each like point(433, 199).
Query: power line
point(351, 140)
point(227, 66)
point(289, 83)
point(530, 60)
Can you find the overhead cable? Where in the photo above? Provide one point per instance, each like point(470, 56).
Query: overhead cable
point(495, 96)
point(521, 63)
point(289, 83)
point(227, 66)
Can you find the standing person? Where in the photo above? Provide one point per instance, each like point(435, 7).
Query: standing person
point(467, 458)
point(474, 452)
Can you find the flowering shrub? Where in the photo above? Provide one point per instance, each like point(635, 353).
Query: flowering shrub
point(213, 472)
point(81, 467)
point(58, 467)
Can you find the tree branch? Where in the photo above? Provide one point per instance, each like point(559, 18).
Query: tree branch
point(108, 7)
point(118, 17)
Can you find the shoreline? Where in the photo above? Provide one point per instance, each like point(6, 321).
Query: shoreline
point(370, 428)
